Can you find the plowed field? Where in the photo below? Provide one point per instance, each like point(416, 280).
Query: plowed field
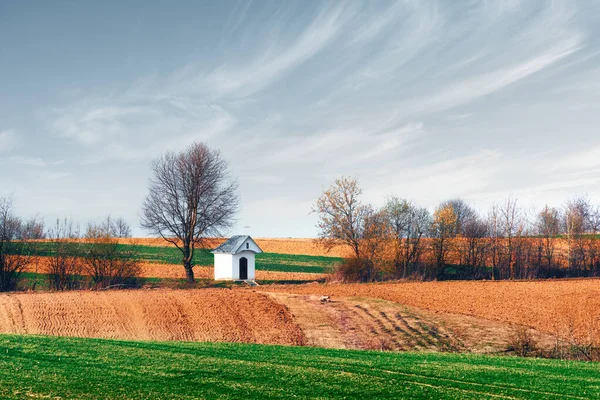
point(548, 306)
point(190, 315)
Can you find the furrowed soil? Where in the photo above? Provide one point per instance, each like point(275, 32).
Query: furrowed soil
point(248, 316)
point(367, 323)
point(557, 307)
point(190, 315)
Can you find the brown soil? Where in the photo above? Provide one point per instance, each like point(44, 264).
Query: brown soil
point(552, 307)
point(366, 323)
point(192, 315)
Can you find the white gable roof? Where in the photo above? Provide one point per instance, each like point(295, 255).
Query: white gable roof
point(237, 244)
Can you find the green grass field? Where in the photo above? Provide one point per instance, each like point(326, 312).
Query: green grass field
point(53, 367)
point(264, 261)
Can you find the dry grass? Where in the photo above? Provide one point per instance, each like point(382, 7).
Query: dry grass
point(366, 323)
point(554, 307)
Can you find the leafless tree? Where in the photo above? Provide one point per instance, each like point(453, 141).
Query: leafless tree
point(398, 213)
point(15, 247)
point(578, 221)
point(120, 228)
point(65, 263)
point(512, 226)
point(463, 213)
point(107, 262)
point(341, 215)
point(547, 227)
point(191, 197)
point(408, 225)
point(375, 237)
point(33, 228)
point(495, 238)
point(475, 244)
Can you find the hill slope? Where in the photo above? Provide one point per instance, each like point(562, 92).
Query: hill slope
point(191, 315)
point(105, 369)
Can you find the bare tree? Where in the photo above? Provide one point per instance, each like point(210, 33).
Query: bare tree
point(495, 238)
point(376, 235)
point(119, 227)
point(33, 228)
point(420, 222)
point(106, 261)
point(578, 217)
point(408, 225)
point(115, 227)
point(398, 213)
point(15, 247)
point(190, 198)
point(463, 213)
point(475, 245)
point(512, 226)
point(547, 227)
point(341, 215)
point(65, 264)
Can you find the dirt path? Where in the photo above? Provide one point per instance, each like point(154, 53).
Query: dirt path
point(368, 323)
point(551, 307)
point(194, 315)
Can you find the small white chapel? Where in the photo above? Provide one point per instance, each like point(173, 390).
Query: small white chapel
point(235, 259)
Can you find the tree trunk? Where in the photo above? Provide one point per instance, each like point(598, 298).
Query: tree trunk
point(188, 261)
point(189, 272)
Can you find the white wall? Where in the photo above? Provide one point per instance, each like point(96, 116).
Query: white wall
point(227, 266)
point(223, 266)
point(250, 245)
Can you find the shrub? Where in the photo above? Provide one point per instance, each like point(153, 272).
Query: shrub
point(15, 246)
point(65, 266)
point(356, 270)
point(107, 262)
point(522, 341)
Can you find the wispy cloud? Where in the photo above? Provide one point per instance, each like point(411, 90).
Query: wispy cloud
point(344, 147)
point(471, 89)
point(275, 60)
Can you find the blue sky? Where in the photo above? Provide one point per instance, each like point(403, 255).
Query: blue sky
point(427, 100)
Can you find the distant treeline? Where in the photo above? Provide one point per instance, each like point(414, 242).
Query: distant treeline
point(99, 263)
point(403, 240)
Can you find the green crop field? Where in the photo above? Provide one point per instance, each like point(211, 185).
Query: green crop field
point(171, 255)
point(75, 368)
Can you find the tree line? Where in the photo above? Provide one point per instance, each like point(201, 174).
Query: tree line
point(74, 260)
point(402, 240)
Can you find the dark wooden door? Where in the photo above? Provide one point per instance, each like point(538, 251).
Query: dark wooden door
point(243, 268)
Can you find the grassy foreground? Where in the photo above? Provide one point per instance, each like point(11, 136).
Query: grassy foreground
point(53, 367)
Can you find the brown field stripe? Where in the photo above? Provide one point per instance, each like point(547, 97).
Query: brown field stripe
point(381, 325)
point(422, 338)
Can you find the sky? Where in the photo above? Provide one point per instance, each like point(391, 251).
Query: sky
point(426, 100)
